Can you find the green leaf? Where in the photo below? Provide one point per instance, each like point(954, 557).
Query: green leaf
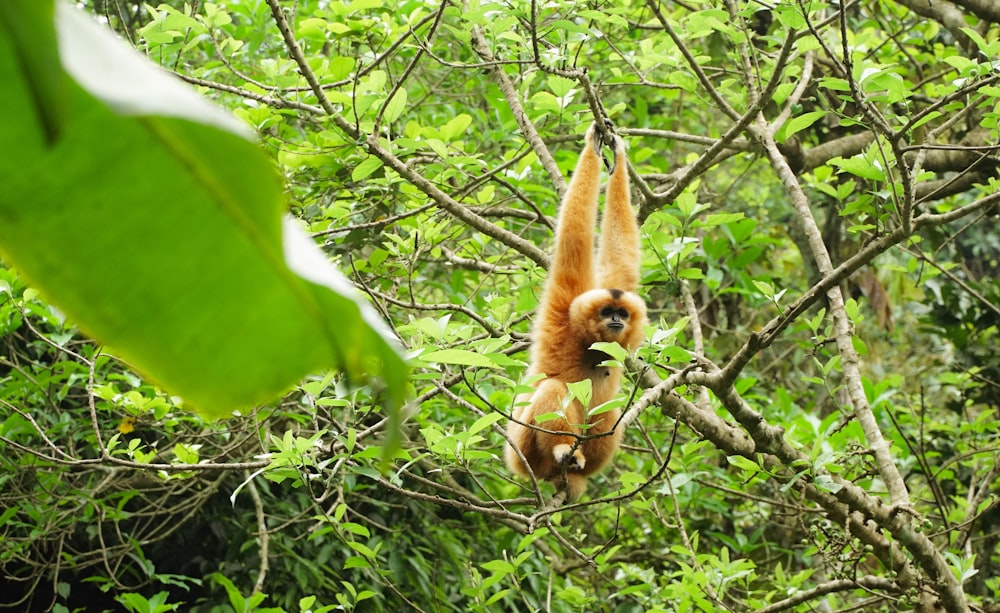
point(235, 598)
point(765, 288)
point(364, 5)
point(859, 166)
point(616, 351)
point(686, 203)
point(839, 85)
point(313, 28)
point(339, 67)
point(395, 106)
point(614, 403)
point(989, 49)
point(7, 514)
point(356, 562)
point(827, 484)
point(743, 463)
point(676, 354)
point(484, 422)
point(366, 168)
point(357, 529)
point(362, 549)
point(569, 26)
point(931, 116)
point(456, 126)
point(499, 567)
point(497, 597)
point(579, 390)
point(797, 124)
point(186, 454)
point(960, 63)
point(178, 260)
point(462, 357)
point(719, 219)
point(545, 101)
point(560, 86)
point(29, 26)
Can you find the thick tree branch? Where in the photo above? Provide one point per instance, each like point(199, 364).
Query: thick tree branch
point(842, 325)
point(945, 13)
point(262, 533)
point(513, 99)
point(984, 9)
point(761, 442)
point(845, 147)
point(830, 587)
point(930, 559)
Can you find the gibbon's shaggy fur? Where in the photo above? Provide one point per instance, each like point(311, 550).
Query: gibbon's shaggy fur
point(581, 306)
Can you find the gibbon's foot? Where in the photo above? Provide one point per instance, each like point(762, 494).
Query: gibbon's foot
point(613, 141)
point(599, 141)
point(618, 145)
point(596, 139)
point(562, 455)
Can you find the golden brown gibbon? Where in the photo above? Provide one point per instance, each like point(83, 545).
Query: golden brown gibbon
point(581, 306)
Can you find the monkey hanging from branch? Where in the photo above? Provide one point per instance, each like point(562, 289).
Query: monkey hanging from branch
point(584, 302)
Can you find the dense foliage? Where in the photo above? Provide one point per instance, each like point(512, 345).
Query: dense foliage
point(815, 411)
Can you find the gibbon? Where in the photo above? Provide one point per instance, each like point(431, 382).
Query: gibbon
point(581, 306)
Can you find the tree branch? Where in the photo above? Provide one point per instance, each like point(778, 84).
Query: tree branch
point(517, 109)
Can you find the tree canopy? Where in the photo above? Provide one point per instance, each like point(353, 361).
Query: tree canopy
point(812, 423)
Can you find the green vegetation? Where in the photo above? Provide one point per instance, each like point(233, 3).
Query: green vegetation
point(816, 408)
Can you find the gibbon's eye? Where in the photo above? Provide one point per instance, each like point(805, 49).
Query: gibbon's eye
point(609, 312)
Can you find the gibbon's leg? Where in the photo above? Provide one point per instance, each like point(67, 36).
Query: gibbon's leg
point(544, 452)
point(521, 437)
point(575, 486)
point(548, 398)
point(618, 253)
point(600, 449)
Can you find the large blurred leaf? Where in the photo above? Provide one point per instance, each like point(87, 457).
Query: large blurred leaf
point(150, 218)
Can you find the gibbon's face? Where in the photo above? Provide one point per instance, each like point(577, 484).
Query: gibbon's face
point(608, 315)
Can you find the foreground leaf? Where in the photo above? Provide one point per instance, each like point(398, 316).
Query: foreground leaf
point(154, 222)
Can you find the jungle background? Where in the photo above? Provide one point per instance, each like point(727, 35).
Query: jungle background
point(812, 422)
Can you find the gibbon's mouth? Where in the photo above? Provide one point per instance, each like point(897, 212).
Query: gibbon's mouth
point(616, 327)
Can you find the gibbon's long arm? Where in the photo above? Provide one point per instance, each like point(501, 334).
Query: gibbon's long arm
point(618, 254)
point(572, 269)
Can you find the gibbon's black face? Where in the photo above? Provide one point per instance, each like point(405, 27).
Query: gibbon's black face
point(614, 318)
point(608, 315)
